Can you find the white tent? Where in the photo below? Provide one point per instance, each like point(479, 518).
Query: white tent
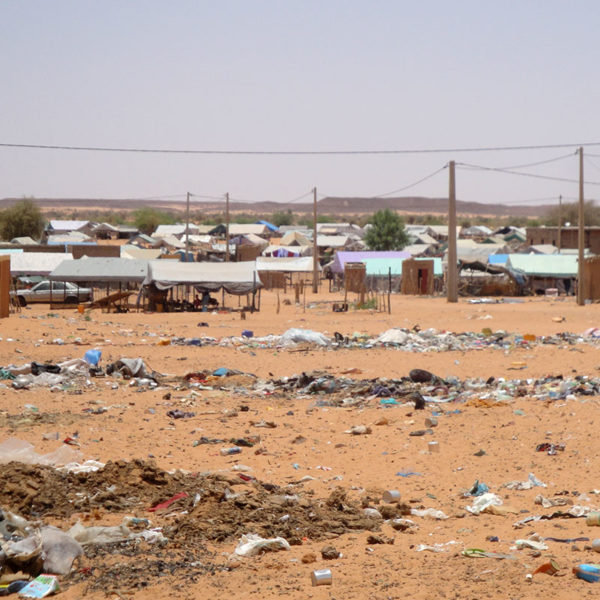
point(235, 277)
point(300, 264)
point(100, 269)
point(37, 263)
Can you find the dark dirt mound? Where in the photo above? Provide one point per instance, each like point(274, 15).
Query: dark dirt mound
point(215, 507)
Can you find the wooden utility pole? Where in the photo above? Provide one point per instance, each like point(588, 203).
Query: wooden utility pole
point(580, 282)
point(227, 227)
point(559, 223)
point(452, 282)
point(315, 286)
point(187, 228)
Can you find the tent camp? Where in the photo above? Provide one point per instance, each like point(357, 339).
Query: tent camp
point(235, 278)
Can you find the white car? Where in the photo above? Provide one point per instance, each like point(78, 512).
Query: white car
point(62, 291)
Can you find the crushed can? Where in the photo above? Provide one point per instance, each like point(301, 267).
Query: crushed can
point(321, 577)
point(391, 496)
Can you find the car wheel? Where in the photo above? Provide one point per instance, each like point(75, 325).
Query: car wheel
point(71, 300)
point(22, 301)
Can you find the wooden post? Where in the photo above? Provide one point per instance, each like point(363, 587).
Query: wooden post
point(559, 223)
point(227, 227)
point(452, 282)
point(580, 276)
point(390, 290)
point(315, 285)
point(187, 227)
point(5, 287)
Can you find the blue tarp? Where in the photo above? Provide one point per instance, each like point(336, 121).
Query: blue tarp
point(497, 259)
point(270, 226)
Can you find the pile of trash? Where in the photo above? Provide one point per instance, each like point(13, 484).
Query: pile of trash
point(408, 340)
point(193, 508)
point(426, 386)
point(77, 370)
point(31, 552)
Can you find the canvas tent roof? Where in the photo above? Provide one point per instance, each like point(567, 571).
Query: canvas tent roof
point(295, 238)
point(416, 249)
point(72, 237)
point(66, 225)
point(100, 269)
point(250, 239)
point(24, 241)
point(342, 257)
point(544, 265)
point(331, 241)
point(543, 249)
point(130, 251)
point(37, 263)
point(300, 264)
point(173, 230)
point(235, 277)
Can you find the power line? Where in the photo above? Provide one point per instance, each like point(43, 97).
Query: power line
point(533, 175)
point(541, 162)
point(294, 152)
point(591, 162)
point(407, 187)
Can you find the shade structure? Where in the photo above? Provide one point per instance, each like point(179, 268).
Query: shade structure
point(37, 263)
point(236, 278)
point(342, 257)
point(101, 270)
point(300, 264)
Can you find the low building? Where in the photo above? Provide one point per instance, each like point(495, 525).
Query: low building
point(569, 237)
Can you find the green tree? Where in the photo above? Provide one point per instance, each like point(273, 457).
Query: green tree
point(22, 219)
point(148, 219)
point(569, 213)
point(281, 217)
point(386, 232)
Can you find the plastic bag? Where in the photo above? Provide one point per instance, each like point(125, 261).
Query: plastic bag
point(252, 544)
point(59, 550)
point(304, 336)
point(99, 535)
point(482, 502)
point(17, 450)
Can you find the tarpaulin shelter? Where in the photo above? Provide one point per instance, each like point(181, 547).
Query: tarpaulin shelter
point(343, 257)
point(235, 278)
point(101, 270)
point(276, 273)
point(301, 264)
point(37, 263)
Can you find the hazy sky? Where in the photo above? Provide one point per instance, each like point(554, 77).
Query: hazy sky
point(296, 75)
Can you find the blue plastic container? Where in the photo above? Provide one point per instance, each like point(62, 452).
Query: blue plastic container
point(93, 356)
point(586, 572)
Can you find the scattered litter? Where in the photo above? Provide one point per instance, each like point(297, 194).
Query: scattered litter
point(252, 544)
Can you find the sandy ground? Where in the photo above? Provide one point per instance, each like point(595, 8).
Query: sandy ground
point(136, 426)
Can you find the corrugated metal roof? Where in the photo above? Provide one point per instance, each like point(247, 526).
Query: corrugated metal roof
point(544, 265)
